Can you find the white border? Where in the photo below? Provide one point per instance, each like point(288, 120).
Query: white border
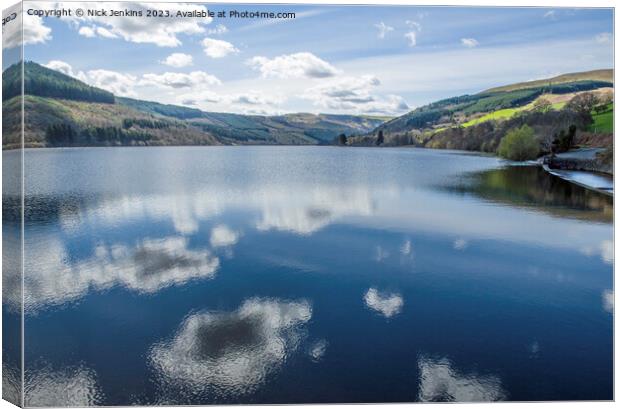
point(484, 3)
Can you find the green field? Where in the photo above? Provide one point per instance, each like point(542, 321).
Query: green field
point(507, 113)
point(603, 122)
point(495, 115)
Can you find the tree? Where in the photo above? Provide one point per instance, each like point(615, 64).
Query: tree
point(583, 104)
point(519, 144)
point(380, 138)
point(342, 139)
point(542, 105)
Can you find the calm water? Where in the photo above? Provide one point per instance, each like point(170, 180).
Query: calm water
point(309, 274)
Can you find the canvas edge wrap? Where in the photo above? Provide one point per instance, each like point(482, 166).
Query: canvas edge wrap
point(12, 209)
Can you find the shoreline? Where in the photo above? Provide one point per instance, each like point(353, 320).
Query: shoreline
point(598, 181)
point(595, 181)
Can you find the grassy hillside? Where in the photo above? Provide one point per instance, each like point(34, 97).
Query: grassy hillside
point(603, 120)
point(557, 101)
point(479, 122)
point(63, 111)
point(596, 75)
point(498, 103)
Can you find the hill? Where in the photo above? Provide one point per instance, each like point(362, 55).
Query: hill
point(253, 129)
point(42, 81)
point(595, 75)
point(64, 111)
point(493, 104)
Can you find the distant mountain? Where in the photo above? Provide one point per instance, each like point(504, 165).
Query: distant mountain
point(64, 111)
point(280, 129)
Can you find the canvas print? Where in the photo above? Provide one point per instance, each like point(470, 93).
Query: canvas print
point(282, 204)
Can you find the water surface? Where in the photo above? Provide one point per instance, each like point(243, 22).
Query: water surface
point(200, 275)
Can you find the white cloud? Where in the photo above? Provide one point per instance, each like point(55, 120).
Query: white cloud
point(105, 33)
point(178, 60)
point(218, 48)
point(412, 37)
point(439, 381)
point(87, 31)
point(218, 30)
point(256, 98)
point(34, 31)
point(223, 236)
point(603, 38)
point(388, 105)
point(94, 31)
point(387, 305)
point(345, 90)
point(470, 42)
point(355, 94)
point(180, 80)
point(163, 32)
point(383, 29)
point(296, 65)
point(414, 24)
point(198, 98)
point(260, 336)
point(61, 66)
point(550, 14)
point(115, 82)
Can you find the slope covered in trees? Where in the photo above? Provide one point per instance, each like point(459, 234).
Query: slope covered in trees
point(44, 82)
point(256, 129)
point(64, 111)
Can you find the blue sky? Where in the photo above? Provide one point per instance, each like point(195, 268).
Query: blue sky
point(339, 59)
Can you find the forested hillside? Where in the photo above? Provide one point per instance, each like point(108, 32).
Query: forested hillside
point(63, 111)
point(44, 82)
point(256, 129)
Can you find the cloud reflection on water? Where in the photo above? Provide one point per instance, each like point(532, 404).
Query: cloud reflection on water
point(223, 236)
point(440, 381)
point(231, 353)
point(608, 300)
point(68, 387)
point(387, 304)
point(146, 267)
point(317, 350)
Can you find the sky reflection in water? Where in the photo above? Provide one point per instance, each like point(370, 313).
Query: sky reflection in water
point(283, 274)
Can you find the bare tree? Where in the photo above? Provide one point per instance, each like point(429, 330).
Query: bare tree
point(542, 105)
